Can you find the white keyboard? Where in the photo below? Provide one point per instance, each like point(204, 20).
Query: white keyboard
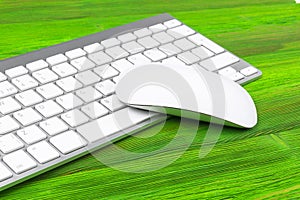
point(58, 103)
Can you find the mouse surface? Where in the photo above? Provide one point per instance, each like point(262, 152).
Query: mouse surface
point(189, 92)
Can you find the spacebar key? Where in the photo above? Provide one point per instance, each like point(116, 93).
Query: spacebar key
point(113, 123)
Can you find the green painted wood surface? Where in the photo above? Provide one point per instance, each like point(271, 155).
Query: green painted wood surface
point(260, 163)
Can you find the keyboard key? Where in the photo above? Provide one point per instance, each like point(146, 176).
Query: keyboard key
point(180, 31)
point(69, 84)
point(43, 152)
point(37, 65)
point(68, 141)
point(106, 71)
point(49, 91)
point(110, 42)
point(117, 52)
point(139, 59)
point(188, 58)
point(112, 103)
point(163, 37)
point(155, 54)
point(49, 108)
point(219, 61)
point(5, 173)
point(202, 52)
point(25, 82)
point(92, 48)
point(173, 60)
point(100, 58)
point(87, 77)
point(69, 101)
point(142, 32)
point(158, 28)
point(9, 143)
point(7, 124)
point(57, 59)
point(53, 126)
point(76, 53)
point(83, 63)
point(199, 39)
point(126, 37)
point(227, 71)
point(27, 116)
point(184, 44)
point(64, 69)
point(236, 76)
point(45, 76)
point(94, 110)
point(122, 65)
point(74, 118)
point(8, 105)
point(170, 49)
point(115, 122)
point(172, 23)
point(19, 161)
point(31, 134)
point(248, 71)
point(106, 87)
point(148, 42)
point(6, 89)
point(2, 77)
point(88, 94)
point(133, 47)
point(16, 71)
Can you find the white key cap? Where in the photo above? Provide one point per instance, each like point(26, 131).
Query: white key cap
point(248, 71)
point(68, 141)
point(7, 124)
point(106, 87)
point(163, 37)
point(83, 63)
point(139, 59)
point(69, 84)
point(122, 65)
point(142, 32)
point(87, 77)
point(236, 76)
point(170, 49)
point(53, 126)
point(180, 31)
point(115, 122)
point(25, 82)
point(202, 52)
point(49, 91)
point(27, 116)
point(19, 161)
point(227, 71)
point(184, 44)
point(9, 143)
point(188, 58)
point(110, 42)
point(100, 58)
point(31, 134)
point(173, 60)
point(148, 42)
point(8, 105)
point(88, 94)
point(56, 59)
point(6, 89)
point(2, 77)
point(126, 37)
point(219, 61)
point(94, 110)
point(37, 65)
point(92, 48)
point(172, 23)
point(112, 103)
point(64, 69)
point(16, 71)
point(45, 76)
point(69, 101)
point(106, 71)
point(29, 97)
point(49, 108)
point(155, 54)
point(43, 152)
point(116, 52)
point(5, 173)
point(158, 28)
point(76, 53)
point(74, 118)
point(133, 47)
point(199, 39)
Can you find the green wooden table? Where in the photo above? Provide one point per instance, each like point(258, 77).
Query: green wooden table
point(259, 163)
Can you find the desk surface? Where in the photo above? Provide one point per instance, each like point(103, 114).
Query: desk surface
point(263, 162)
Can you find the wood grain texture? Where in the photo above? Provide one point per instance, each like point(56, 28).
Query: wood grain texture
point(259, 163)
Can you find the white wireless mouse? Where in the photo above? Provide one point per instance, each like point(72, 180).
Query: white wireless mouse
point(189, 92)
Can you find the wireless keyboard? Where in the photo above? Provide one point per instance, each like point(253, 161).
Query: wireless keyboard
point(58, 103)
